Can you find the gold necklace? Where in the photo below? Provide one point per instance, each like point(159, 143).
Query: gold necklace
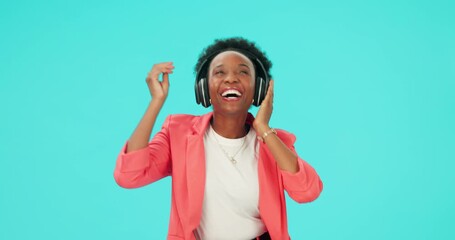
point(232, 159)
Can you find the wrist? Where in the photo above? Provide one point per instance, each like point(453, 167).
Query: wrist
point(158, 100)
point(266, 134)
point(261, 129)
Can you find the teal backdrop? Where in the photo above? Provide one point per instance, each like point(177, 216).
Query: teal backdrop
point(367, 87)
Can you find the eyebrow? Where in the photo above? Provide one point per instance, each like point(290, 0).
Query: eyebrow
point(241, 64)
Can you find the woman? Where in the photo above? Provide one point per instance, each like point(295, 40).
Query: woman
point(229, 170)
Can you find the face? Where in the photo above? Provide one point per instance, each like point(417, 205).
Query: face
point(231, 82)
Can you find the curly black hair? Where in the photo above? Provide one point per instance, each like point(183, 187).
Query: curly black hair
point(234, 43)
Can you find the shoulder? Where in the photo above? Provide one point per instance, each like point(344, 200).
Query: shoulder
point(182, 117)
point(183, 122)
point(185, 119)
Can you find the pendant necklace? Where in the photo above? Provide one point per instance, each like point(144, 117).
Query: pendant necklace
point(231, 158)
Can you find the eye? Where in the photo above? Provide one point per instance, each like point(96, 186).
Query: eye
point(244, 72)
point(219, 72)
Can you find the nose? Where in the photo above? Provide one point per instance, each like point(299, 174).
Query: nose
point(230, 78)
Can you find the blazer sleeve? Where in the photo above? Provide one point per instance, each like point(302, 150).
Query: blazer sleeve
point(144, 166)
point(304, 185)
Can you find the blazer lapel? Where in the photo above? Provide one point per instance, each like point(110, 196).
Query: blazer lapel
point(195, 171)
point(270, 200)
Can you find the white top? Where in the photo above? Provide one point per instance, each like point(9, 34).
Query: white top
point(231, 198)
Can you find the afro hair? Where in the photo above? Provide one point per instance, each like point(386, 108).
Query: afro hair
point(234, 43)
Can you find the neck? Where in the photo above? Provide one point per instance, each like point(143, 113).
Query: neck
point(229, 126)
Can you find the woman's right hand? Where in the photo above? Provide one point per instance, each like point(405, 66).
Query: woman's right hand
point(159, 89)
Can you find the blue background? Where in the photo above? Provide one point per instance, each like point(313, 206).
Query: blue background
point(367, 87)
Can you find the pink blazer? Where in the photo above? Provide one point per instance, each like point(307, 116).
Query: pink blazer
point(178, 151)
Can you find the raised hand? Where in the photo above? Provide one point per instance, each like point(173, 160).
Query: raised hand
point(159, 89)
point(261, 123)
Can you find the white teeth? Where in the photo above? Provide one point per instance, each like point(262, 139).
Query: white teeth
point(232, 92)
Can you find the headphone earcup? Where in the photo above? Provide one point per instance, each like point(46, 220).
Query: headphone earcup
point(260, 91)
point(203, 91)
point(197, 92)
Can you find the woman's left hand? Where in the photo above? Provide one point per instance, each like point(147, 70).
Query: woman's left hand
point(261, 123)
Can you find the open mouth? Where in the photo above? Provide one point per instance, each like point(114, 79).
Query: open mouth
point(231, 94)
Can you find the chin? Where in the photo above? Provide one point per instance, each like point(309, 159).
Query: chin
point(226, 107)
point(230, 110)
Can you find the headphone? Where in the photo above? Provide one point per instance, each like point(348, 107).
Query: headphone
point(201, 85)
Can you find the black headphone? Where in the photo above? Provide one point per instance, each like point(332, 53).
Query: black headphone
point(201, 86)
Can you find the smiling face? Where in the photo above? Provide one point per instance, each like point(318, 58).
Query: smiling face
point(231, 83)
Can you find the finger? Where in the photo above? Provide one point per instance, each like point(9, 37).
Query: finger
point(164, 64)
point(161, 67)
point(165, 82)
point(272, 90)
point(155, 73)
point(269, 95)
point(166, 68)
point(168, 65)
